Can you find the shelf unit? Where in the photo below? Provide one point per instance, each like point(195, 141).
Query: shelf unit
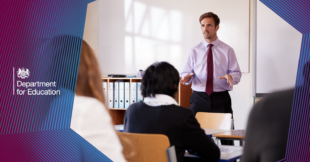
point(182, 97)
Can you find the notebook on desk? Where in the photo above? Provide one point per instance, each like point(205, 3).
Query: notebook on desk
point(228, 153)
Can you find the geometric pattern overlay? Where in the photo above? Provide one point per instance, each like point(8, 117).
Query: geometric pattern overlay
point(297, 14)
point(44, 37)
point(54, 145)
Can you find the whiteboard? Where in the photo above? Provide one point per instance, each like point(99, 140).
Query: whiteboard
point(133, 34)
point(278, 50)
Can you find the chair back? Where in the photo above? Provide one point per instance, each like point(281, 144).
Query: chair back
point(214, 120)
point(145, 147)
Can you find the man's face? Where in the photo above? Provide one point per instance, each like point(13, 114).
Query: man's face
point(208, 28)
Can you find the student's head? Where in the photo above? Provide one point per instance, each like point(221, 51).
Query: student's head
point(160, 78)
point(209, 23)
point(89, 77)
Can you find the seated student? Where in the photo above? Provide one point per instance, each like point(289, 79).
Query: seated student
point(90, 118)
point(268, 124)
point(267, 129)
point(159, 113)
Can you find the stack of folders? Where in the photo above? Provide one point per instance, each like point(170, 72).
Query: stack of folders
point(119, 94)
point(111, 97)
point(119, 127)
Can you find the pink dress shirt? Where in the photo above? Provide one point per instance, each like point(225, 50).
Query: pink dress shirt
point(224, 62)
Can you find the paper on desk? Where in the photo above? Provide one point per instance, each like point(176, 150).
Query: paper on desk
point(229, 149)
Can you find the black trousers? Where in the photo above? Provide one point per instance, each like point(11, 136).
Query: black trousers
point(217, 102)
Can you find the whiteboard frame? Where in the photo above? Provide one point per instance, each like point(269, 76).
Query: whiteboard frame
point(253, 36)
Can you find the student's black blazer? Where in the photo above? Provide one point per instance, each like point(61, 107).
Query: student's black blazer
point(178, 123)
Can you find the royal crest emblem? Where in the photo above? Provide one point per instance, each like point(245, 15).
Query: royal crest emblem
point(22, 73)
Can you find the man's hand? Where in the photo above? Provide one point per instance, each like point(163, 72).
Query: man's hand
point(186, 78)
point(228, 78)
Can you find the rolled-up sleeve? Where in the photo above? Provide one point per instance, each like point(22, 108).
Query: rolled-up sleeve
point(233, 67)
point(189, 67)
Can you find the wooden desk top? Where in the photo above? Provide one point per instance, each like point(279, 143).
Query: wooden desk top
point(214, 131)
point(231, 134)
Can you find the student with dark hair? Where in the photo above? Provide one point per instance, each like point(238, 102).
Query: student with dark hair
point(159, 113)
point(155, 80)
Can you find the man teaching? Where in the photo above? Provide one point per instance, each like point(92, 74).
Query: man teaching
point(212, 68)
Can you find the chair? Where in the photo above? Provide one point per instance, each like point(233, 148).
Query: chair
point(215, 120)
point(145, 147)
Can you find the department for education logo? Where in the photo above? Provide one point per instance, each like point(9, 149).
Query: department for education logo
point(22, 73)
point(34, 87)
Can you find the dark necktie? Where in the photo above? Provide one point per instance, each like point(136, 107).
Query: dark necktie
point(209, 86)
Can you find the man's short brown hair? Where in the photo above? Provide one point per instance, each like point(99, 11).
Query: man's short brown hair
point(210, 14)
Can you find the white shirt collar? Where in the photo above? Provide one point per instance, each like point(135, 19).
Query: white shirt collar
point(160, 99)
point(215, 43)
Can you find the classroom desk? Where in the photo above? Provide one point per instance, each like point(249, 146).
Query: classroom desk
point(228, 153)
point(210, 132)
point(231, 135)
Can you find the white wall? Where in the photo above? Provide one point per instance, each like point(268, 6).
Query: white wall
point(91, 27)
point(242, 99)
point(278, 50)
point(241, 95)
point(136, 33)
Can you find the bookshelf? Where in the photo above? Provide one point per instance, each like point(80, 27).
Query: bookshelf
point(182, 97)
